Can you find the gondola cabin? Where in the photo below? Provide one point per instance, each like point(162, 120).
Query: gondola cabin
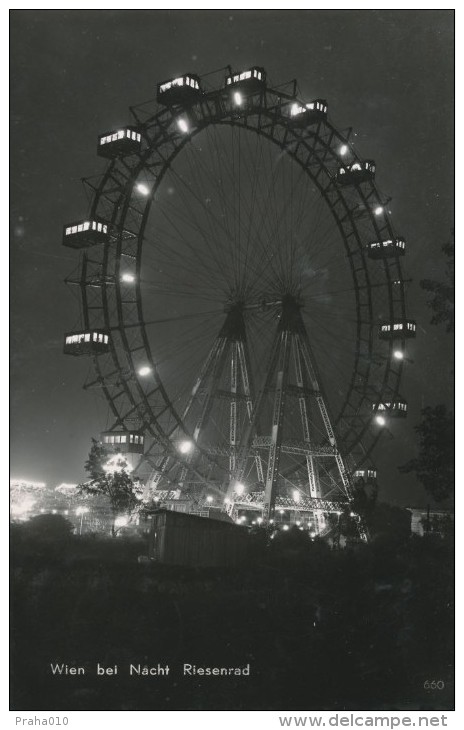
point(127, 442)
point(86, 342)
point(389, 248)
point(181, 90)
point(367, 475)
point(356, 172)
point(302, 116)
point(123, 142)
point(247, 82)
point(397, 330)
point(396, 409)
point(85, 233)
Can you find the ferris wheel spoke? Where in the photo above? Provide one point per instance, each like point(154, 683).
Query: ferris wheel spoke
point(254, 191)
point(245, 212)
point(242, 227)
point(154, 287)
point(180, 318)
point(228, 203)
point(270, 208)
point(171, 216)
point(168, 283)
point(182, 261)
point(210, 238)
point(176, 267)
point(219, 229)
point(215, 172)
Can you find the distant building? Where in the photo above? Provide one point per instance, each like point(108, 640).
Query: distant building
point(425, 521)
point(88, 514)
point(24, 498)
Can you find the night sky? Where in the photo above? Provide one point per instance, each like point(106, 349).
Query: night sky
point(388, 74)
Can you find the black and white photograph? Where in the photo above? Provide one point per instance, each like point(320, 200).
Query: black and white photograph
point(232, 361)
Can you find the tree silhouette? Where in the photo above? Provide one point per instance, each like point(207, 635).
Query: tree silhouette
point(49, 528)
point(114, 482)
point(442, 301)
point(434, 466)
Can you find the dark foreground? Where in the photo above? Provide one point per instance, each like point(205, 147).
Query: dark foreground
point(357, 629)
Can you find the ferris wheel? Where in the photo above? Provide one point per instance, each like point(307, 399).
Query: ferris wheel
point(242, 296)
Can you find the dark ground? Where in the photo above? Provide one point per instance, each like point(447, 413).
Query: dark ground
point(358, 629)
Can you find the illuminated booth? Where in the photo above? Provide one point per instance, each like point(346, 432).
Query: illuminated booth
point(85, 233)
point(181, 90)
point(368, 475)
point(86, 342)
point(397, 330)
point(247, 82)
point(396, 409)
point(302, 116)
point(356, 173)
point(127, 442)
point(123, 142)
point(389, 248)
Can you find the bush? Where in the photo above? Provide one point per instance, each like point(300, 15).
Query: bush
point(48, 528)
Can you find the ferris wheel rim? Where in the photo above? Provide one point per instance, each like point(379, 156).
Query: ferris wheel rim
point(125, 195)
